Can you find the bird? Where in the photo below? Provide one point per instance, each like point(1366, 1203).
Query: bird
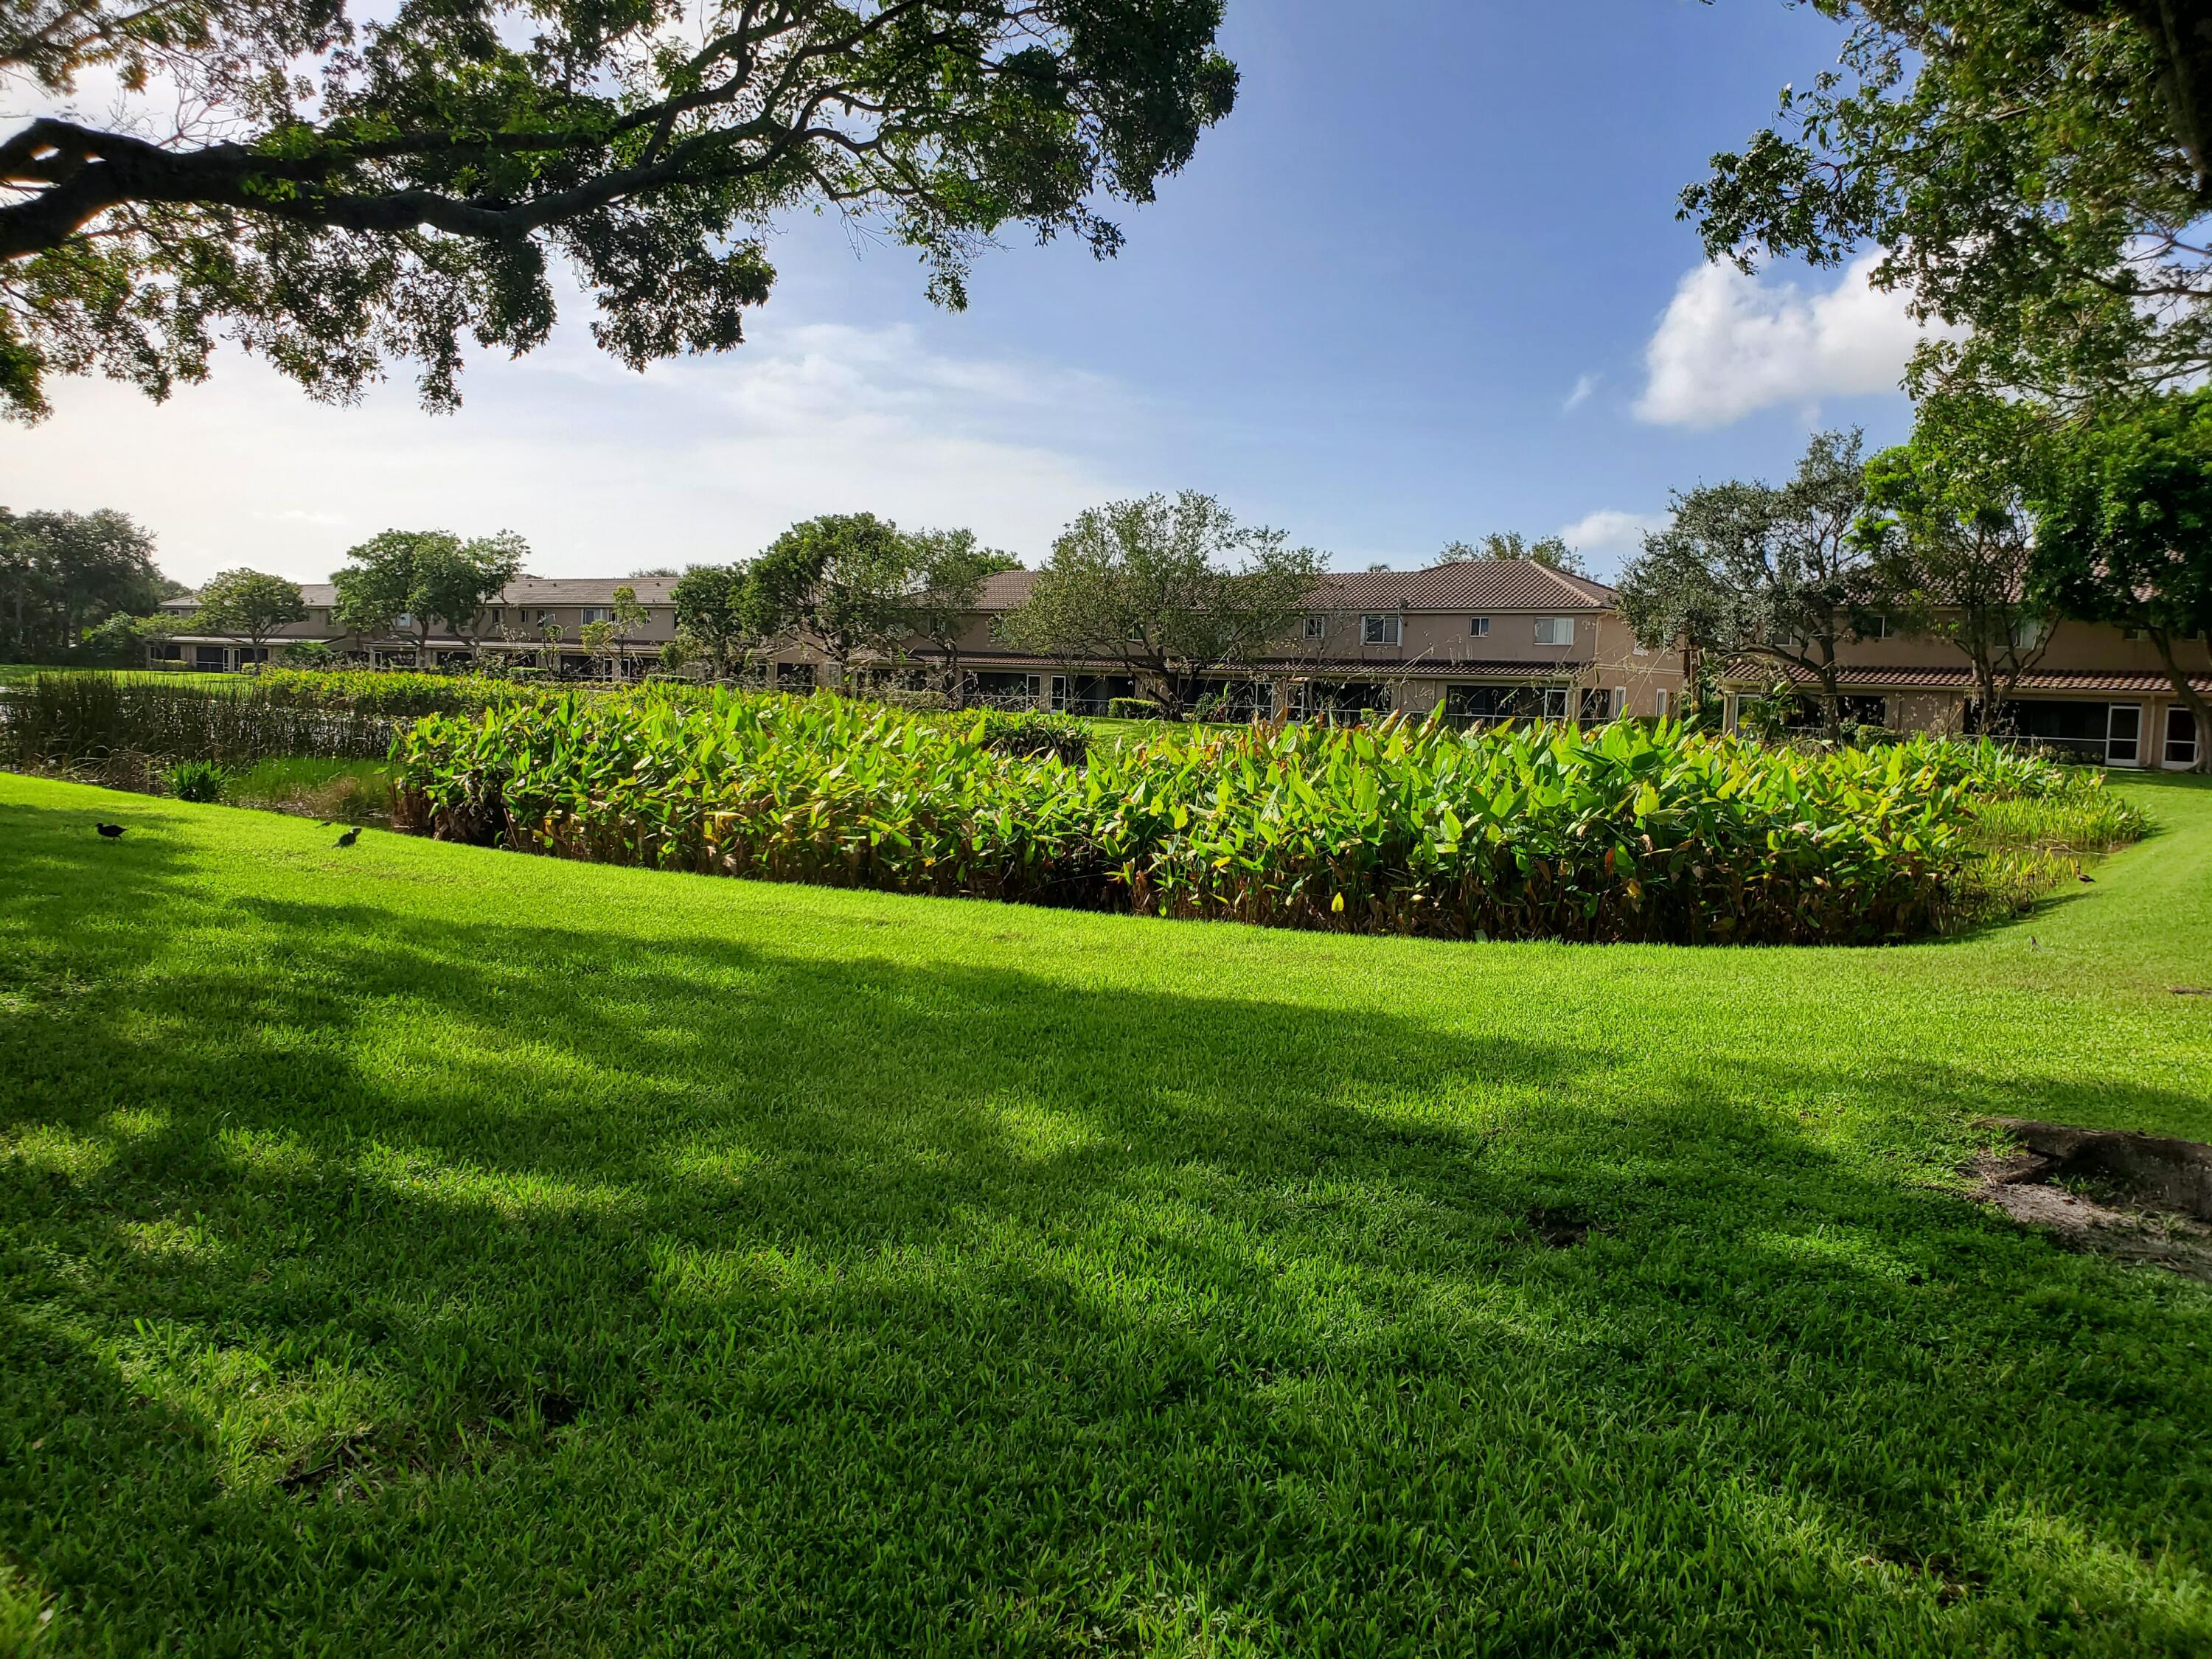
point(349, 838)
point(110, 831)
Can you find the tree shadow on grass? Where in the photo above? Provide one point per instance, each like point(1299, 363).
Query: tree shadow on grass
point(509, 1288)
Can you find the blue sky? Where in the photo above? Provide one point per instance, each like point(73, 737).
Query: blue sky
point(1425, 282)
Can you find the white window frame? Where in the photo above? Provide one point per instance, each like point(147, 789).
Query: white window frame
point(1555, 702)
point(2112, 739)
point(1660, 699)
point(2165, 740)
point(1316, 627)
point(1380, 629)
point(1553, 625)
point(1478, 628)
point(1619, 701)
point(595, 613)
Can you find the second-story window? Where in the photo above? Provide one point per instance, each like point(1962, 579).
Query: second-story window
point(1316, 627)
point(1478, 627)
point(2029, 633)
point(1378, 630)
point(592, 613)
point(1555, 630)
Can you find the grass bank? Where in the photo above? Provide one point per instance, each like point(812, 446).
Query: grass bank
point(415, 1247)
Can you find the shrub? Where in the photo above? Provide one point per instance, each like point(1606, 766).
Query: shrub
point(76, 717)
point(1622, 833)
point(1132, 708)
point(351, 791)
point(306, 653)
point(1027, 733)
point(195, 780)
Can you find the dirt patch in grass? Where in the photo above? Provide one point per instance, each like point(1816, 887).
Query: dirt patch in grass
point(2137, 1197)
point(1560, 1230)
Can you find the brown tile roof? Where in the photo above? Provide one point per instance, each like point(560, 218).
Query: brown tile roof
point(1468, 585)
point(1471, 585)
point(2086, 682)
point(584, 590)
point(1006, 590)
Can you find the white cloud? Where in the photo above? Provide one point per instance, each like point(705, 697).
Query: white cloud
point(1730, 344)
point(1584, 385)
point(1609, 530)
point(599, 468)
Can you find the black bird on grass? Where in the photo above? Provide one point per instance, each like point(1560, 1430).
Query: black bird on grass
point(110, 831)
point(349, 838)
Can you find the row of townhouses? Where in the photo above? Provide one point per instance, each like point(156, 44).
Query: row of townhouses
point(1486, 640)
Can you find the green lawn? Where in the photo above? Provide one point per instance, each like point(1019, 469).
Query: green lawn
point(414, 1248)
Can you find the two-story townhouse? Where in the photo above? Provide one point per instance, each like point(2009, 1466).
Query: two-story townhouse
point(534, 619)
point(1489, 639)
point(2097, 690)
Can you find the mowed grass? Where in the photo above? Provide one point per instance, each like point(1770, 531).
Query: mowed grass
point(414, 1248)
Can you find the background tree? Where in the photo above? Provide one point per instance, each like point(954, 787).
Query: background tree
point(1148, 584)
point(2031, 170)
point(597, 639)
point(348, 185)
point(1672, 600)
point(1550, 551)
point(249, 606)
point(63, 575)
point(842, 581)
point(419, 578)
point(949, 571)
point(2123, 532)
point(628, 617)
point(1784, 575)
point(710, 612)
point(1951, 534)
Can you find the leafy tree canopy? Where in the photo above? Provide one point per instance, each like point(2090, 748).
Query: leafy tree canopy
point(348, 185)
point(1172, 589)
point(2035, 171)
point(1772, 571)
point(1950, 531)
point(2123, 531)
point(424, 577)
point(711, 614)
point(950, 569)
point(843, 579)
point(248, 605)
point(62, 574)
point(1672, 598)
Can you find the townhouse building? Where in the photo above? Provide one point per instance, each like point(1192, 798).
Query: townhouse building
point(2097, 690)
point(1486, 640)
point(537, 619)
